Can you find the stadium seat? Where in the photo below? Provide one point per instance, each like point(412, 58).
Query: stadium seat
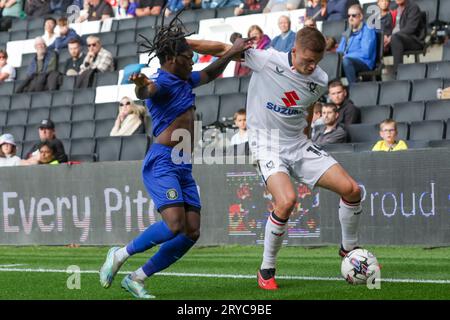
point(364, 93)
point(27, 58)
point(437, 110)
point(403, 130)
point(122, 62)
point(125, 36)
point(83, 112)
point(17, 117)
point(427, 130)
point(425, 89)
point(229, 104)
point(226, 85)
point(108, 148)
point(18, 35)
point(107, 38)
point(446, 52)
point(148, 32)
point(417, 144)
point(430, 7)
point(82, 129)
point(83, 157)
point(438, 69)
point(363, 146)
point(125, 24)
point(111, 48)
point(3, 117)
point(243, 86)
point(334, 29)
point(64, 55)
point(21, 73)
point(363, 132)
point(62, 98)
point(191, 27)
point(63, 129)
point(7, 88)
point(134, 147)
point(20, 101)
point(106, 110)
point(61, 113)
point(38, 114)
point(36, 23)
point(32, 132)
point(106, 78)
point(34, 33)
point(83, 96)
point(394, 91)
point(146, 22)
point(127, 49)
point(331, 64)
point(17, 131)
point(67, 83)
point(5, 102)
point(103, 127)
point(444, 11)
point(408, 111)
point(375, 114)
point(41, 99)
point(207, 109)
point(439, 144)
point(411, 71)
point(205, 90)
point(423, 51)
point(338, 147)
point(19, 25)
point(82, 146)
point(66, 143)
point(223, 12)
point(447, 133)
point(4, 38)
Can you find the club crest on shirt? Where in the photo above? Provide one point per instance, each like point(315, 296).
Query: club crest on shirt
point(278, 70)
point(312, 86)
point(172, 194)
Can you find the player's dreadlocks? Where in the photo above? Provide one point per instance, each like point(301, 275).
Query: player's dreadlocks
point(169, 40)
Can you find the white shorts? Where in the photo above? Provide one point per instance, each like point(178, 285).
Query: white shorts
point(304, 161)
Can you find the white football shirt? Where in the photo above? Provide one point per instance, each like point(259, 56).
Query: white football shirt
point(278, 96)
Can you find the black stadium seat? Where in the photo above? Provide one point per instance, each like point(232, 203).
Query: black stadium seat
point(408, 111)
point(430, 7)
point(61, 113)
point(83, 112)
point(63, 129)
point(230, 103)
point(26, 147)
point(438, 69)
point(82, 146)
point(375, 114)
point(437, 110)
point(83, 129)
point(223, 12)
point(403, 130)
point(338, 147)
point(127, 49)
point(106, 78)
point(106, 110)
point(38, 114)
point(444, 11)
point(83, 96)
point(122, 62)
point(17, 131)
point(17, 117)
point(208, 109)
point(205, 90)
point(226, 85)
point(243, 86)
point(26, 58)
point(32, 132)
point(41, 99)
point(446, 52)
point(427, 130)
point(334, 29)
point(125, 36)
point(134, 147)
point(107, 38)
point(364, 93)
point(126, 24)
point(103, 127)
point(62, 98)
point(3, 117)
point(425, 89)
point(146, 22)
point(394, 91)
point(5, 102)
point(331, 64)
point(7, 88)
point(363, 132)
point(108, 148)
point(20, 101)
point(411, 71)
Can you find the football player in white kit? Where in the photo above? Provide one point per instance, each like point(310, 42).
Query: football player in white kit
point(282, 89)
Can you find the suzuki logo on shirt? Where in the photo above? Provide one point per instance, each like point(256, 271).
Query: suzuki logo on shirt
point(291, 98)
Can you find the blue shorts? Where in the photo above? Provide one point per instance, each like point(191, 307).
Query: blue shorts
point(169, 184)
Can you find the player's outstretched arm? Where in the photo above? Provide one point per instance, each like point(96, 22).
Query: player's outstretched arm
point(216, 68)
point(214, 48)
point(145, 88)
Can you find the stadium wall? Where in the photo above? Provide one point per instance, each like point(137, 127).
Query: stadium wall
point(406, 200)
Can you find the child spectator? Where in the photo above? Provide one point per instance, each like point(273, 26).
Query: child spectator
point(8, 150)
point(388, 132)
point(7, 72)
point(240, 121)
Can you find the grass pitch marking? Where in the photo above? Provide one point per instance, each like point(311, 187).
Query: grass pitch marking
point(226, 276)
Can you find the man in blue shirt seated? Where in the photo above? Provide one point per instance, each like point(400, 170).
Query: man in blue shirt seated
point(65, 35)
point(285, 41)
point(167, 167)
point(358, 45)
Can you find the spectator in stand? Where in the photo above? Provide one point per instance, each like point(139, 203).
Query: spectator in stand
point(47, 132)
point(212, 4)
point(285, 41)
point(348, 112)
point(65, 35)
point(9, 11)
point(317, 119)
point(388, 132)
point(73, 64)
point(409, 31)
point(97, 10)
point(97, 59)
point(7, 72)
point(387, 20)
point(239, 69)
point(127, 8)
point(261, 40)
point(173, 6)
point(337, 9)
point(250, 7)
point(37, 8)
point(240, 121)
point(59, 7)
point(42, 73)
point(281, 5)
point(47, 151)
point(316, 10)
point(49, 35)
point(149, 7)
point(330, 41)
point(311, 23)
point(130, 120)
point(358, 45)
point(8, 151)
point(331, 131)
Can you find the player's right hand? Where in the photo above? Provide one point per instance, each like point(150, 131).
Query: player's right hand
point(140, 80)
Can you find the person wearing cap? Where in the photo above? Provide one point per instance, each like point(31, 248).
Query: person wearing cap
point(8, 150)
point(47, 132)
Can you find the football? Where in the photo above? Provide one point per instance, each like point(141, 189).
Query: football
point(359, 266)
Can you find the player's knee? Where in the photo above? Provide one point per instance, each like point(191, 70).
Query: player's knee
point(176, 226)
point(194, 235)
point(286, 205)
point(352, 192)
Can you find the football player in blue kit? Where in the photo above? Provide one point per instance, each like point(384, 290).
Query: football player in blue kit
point(167, 169)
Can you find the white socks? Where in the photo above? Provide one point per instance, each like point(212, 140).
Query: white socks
point(120, 256)
point(349, 214)
point(276, 229)
point(139, 275)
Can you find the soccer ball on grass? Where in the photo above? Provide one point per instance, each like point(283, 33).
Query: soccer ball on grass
point(360, 266)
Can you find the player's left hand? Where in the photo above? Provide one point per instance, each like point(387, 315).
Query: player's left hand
point(241, 44)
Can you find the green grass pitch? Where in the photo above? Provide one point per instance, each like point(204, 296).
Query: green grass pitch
point(210, 273)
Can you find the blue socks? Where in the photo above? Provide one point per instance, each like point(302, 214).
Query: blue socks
point(157, 233)
point(169, 253)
